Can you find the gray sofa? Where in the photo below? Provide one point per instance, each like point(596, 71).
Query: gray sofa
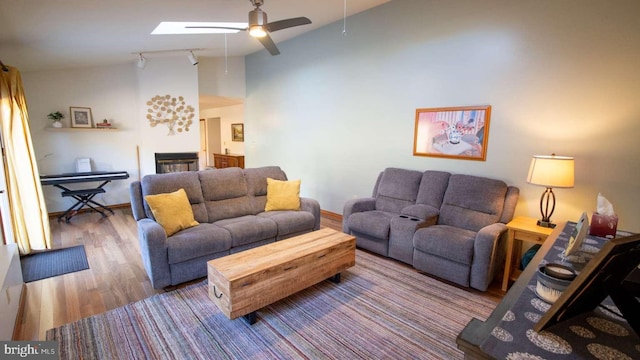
point(229, 205)
point(447, 225)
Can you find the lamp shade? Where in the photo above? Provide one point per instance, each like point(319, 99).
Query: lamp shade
point(551, 171)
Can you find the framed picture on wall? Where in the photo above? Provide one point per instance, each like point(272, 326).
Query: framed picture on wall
point(80, 117)
point(237, 132)
point(453, 132)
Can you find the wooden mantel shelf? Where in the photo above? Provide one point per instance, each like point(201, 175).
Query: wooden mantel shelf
point(69, 129)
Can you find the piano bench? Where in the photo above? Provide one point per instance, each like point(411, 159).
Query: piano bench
point(83, 192)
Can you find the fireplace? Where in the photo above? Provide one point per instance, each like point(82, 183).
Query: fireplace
point(174, 162)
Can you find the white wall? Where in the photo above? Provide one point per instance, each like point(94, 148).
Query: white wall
point(118, 93)
point(166, 76)
point(221, 77)
point(562, 77)
point(111, 93)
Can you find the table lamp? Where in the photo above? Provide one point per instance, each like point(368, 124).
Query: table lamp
point(551, 172)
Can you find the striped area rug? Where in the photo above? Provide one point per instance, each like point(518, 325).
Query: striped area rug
point(380, 310)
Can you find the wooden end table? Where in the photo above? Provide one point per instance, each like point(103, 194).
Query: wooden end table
point(520, 229)
point(247, 281)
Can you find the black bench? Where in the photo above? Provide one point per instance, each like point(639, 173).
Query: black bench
point(84, 198)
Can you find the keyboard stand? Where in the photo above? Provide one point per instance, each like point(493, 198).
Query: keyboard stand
point(84, 198)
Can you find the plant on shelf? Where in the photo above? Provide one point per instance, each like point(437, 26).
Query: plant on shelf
point(56, 117)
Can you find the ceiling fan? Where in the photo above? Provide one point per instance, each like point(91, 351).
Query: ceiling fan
point(260, 28)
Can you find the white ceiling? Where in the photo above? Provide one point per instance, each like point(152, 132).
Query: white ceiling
point(58, 34)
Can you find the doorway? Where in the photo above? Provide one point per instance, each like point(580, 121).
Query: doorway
point(210, 141)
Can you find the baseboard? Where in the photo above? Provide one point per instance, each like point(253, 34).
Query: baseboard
point(21, 309)
point(331, 215)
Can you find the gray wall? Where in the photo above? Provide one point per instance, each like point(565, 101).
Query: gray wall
point(562, 77)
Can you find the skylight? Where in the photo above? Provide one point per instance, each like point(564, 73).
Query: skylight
point(181, 27)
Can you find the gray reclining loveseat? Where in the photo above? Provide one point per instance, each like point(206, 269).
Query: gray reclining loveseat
point(228, 204)
point(447, 225)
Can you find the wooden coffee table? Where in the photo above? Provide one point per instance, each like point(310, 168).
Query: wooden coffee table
point(242, 283)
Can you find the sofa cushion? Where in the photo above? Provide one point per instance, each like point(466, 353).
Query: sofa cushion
point(373, 223)
point(172, 211)
point(248, 229)
point(447, 242)
point(472, 202)
point(170, 182)
point(397, 189)
point(197, 241)
point(225, 194)
point(282, 195)
point(222, 184)
point(257, 179)
point(432, 188)
point(257, 184)
point(291, 222)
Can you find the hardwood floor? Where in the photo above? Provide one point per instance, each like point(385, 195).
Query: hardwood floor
point(115, 278)
point(116, 275)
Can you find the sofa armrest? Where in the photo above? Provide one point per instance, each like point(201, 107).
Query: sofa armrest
point(421, 211)
point(486, 252)
point(153, 248)
point(312, 206)
point(354, 206)
point(137, 202)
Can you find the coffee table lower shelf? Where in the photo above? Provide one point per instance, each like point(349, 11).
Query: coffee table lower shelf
point(242, 283)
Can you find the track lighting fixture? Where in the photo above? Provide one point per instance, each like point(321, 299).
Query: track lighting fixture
point(142, 61)
point(193, 58)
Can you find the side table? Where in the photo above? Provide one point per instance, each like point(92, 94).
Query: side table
point(520, 229)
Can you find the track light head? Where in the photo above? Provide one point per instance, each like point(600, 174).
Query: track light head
point(142, 61)
point(193, 58)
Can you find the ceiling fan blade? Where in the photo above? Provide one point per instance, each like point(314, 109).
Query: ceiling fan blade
point(215, 27)
point(269, 44)
point(287, 23)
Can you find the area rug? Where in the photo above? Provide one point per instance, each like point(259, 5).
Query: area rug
point(380, 309)
point(53, 263)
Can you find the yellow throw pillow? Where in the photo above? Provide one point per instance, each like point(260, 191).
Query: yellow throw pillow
point(172, 211)
point(282, 195)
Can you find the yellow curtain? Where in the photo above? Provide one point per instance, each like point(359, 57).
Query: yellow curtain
point(29, 215)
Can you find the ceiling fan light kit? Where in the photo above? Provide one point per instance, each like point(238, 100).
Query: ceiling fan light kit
point(257, 21)
point(259, 28)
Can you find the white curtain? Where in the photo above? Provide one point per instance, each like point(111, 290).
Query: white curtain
point(30, 220)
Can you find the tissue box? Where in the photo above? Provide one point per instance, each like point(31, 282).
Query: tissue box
point(603, 225)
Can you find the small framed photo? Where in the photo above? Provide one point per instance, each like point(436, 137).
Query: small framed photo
point(80, 117)
point(237, 132)
point(454, 132)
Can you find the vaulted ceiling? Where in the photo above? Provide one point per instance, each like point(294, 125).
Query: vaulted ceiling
point(45, 35)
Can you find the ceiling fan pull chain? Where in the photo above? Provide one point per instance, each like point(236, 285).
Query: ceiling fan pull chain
point(225, 54)
point(344, 21)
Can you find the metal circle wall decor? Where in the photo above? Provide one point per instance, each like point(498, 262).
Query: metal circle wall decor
point(174, 112)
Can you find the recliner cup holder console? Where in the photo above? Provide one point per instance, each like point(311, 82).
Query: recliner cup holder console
point(410, 218)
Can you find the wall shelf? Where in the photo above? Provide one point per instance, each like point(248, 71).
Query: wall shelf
point(69, 129)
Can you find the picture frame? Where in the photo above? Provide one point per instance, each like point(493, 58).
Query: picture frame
point(577, 237)
point(452, 132)
point(81, 117)
point(237, 132)
point(606, 274)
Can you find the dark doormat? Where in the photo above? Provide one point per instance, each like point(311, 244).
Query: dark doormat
point(53, 263)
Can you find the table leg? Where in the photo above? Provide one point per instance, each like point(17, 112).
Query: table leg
point(509, 261)
point(335, 278)
point(250, 318)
